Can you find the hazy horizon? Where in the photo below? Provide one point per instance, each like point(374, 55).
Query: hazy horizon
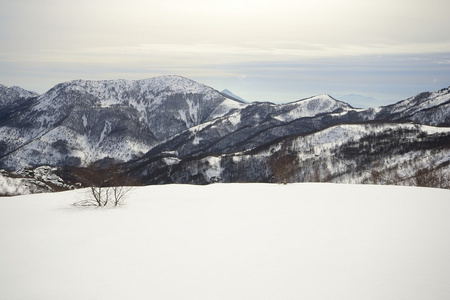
point(278, 51)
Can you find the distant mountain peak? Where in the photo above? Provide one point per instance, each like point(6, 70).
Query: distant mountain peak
point(320, 98)
point(357, 100)
point(233, 96)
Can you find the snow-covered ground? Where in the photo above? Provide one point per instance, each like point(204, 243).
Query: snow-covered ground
point(230, 241)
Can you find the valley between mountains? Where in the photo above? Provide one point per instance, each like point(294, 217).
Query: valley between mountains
point(171, 129)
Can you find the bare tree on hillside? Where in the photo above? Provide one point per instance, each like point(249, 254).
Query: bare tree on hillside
point(283, 166)
point(432, 177)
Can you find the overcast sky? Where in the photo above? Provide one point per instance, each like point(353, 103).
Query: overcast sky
point(262, 50)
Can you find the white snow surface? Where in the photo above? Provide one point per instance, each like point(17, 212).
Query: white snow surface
point(230, 241)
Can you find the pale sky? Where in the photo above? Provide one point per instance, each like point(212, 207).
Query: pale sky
point(263, 50)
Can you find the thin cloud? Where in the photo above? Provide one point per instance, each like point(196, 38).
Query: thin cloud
point(316, 43)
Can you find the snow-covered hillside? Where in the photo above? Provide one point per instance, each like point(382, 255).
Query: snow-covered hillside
point(230, 241)
point(82, 121)
point(382, 153)
point(10, 95)
point(310, 107)
point(171, 129)
point(429, 107)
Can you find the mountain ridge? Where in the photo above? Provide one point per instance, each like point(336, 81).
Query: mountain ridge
point(171, 124)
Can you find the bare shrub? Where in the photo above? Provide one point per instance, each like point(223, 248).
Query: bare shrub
point(108, 187)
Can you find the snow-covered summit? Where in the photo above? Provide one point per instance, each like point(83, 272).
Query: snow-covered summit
point(310, 107)
point(321, 98)
point(172, 83)
point(175, 97)
point(122, 91)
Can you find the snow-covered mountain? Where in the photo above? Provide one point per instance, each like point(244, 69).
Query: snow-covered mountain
point(173, 129)
point(380, 153)
point(13, 100)
point(256, 124)
point(79, 122)
point(331, 141)
point(12, 95)
point(430, 108)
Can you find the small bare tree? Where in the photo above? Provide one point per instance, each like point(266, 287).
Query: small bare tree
point(107, 186)
point(120, 185)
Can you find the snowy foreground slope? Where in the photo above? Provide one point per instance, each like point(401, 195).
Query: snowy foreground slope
point(230, 241)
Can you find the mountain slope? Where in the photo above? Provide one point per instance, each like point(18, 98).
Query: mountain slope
point(13, 100)
point(172, 129)
point(372, 148)
point(79, 122)
point(10, 95)
point(257, 124)
point(430, 108)
point(356, 153)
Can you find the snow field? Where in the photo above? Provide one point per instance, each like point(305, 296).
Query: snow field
point(230, 241)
